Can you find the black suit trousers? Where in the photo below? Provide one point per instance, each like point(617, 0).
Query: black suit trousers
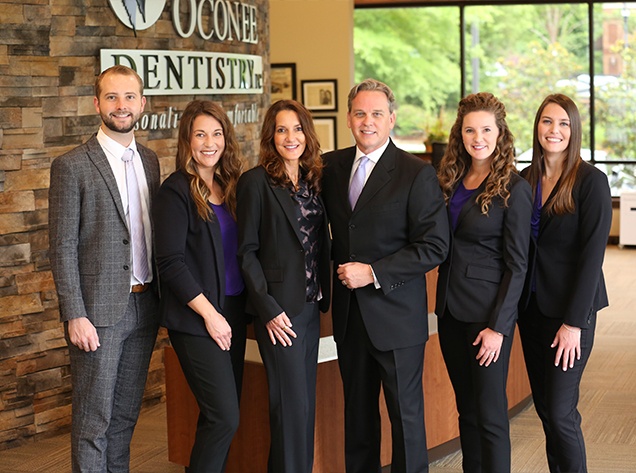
point(215, 378)
point(556, 392)
point(291, 379)
point(480, 394)
point(364, 369)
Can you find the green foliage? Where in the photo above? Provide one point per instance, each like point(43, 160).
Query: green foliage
point(410, 121)
point(416, 53)
point(521, 53)
point(616, 109)
point(438, 128)
point(529, 79)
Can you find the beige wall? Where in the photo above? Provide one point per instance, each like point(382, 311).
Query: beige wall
point(317, 35)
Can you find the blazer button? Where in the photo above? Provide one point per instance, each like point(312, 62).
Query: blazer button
point(126, 267)
point(352, 226)
point(125, 242)
point(352, 257)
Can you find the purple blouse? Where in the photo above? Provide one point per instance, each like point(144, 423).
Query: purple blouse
point(234, 284)
point(459, 198)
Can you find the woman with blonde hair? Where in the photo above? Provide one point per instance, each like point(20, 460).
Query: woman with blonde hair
point(202, 291)
point(480, 282)
point(284, 254)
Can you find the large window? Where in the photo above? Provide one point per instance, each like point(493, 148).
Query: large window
point(417, 52)
point(432, 55)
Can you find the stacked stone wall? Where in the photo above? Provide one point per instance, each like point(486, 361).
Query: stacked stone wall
point(49, 58)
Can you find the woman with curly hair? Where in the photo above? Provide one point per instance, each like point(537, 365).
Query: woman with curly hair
point(480, 283)
point(565, 287)
point(202, 291)
point(284, 255)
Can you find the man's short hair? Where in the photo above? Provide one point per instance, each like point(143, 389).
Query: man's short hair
point(372, 85)
point(121, 70)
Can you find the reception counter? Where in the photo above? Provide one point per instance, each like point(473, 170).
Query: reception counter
point(249, 450)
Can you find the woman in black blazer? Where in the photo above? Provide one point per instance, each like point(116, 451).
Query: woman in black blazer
point(202, 301)
point(284, 254)
point(565, 287)
point(480, 282)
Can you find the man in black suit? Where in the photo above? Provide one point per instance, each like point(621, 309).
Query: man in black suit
point(389, 227)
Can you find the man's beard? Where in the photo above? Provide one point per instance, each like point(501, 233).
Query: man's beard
point(113, 126)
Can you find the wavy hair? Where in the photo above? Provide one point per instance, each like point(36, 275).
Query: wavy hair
point(230, 164)
point(456, 161)
point(562, 203)
point(310, 162)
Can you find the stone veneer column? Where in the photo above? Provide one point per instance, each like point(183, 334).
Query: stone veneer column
point(49, 58)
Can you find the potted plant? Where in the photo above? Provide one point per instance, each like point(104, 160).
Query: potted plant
point(437, 137)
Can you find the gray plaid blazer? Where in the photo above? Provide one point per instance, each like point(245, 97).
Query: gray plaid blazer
point(89, 240)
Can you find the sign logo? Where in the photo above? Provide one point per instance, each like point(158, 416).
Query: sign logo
point(138, 14)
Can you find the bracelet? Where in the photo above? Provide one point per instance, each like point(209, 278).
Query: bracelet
point(572, 330)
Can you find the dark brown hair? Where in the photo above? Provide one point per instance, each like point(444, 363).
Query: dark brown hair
point(310, 162)
point(562, 202)
point(229, 166)
point(457, 161)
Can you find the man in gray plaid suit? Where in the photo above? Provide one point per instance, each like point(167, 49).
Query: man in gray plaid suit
point(100, 251)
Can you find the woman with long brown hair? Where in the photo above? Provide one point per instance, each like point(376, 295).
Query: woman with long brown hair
point(202, 291)
point(284, 254)
point(480, 282)
point(565, 287)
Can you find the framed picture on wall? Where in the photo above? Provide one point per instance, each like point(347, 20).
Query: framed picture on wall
point(320, 95)
point(283, 81)
point(326, 131)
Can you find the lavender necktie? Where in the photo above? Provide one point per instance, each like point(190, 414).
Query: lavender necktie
point(357, 183)
point(135, 216)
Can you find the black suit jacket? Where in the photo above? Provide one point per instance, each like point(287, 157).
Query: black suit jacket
point(483, 276)
point(400, 227)
point(189, 254)
point(566, 259)
point(271, 254)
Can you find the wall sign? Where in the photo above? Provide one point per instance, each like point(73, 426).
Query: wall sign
point(190, 72)
point(138, 14)
point(227, 20)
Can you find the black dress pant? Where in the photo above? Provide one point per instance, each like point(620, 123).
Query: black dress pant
point(556, 392)
point(291, 380)
point(480, 394)
point(215, 378)
point(364, 369)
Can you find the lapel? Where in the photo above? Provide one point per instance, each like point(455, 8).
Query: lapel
point(470, 203)
point(545, 219)
point(98, 157)
point(150, 169)
point(286, 203)
point(379, 177)
point(342, 176)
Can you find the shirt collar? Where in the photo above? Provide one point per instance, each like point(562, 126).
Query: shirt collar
point(113, 147)
point(374, 155)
